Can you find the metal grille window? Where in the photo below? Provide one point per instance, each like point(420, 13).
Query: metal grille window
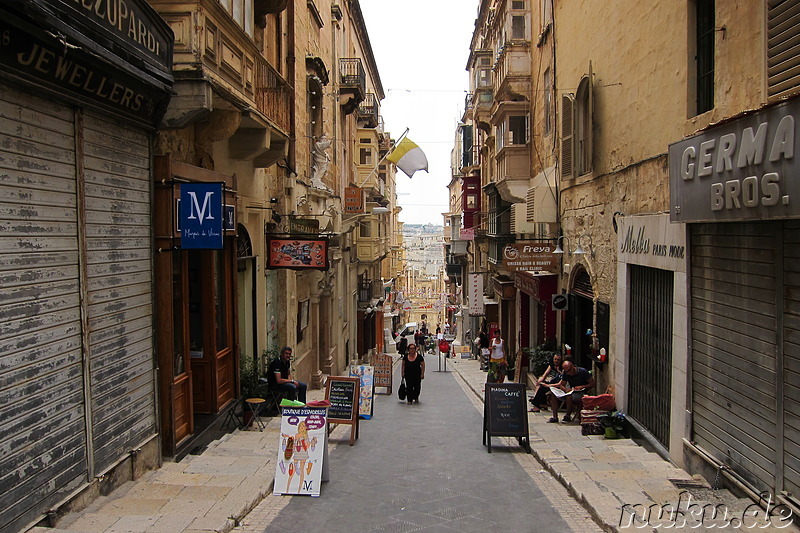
point(650, 346)
point(704, 60)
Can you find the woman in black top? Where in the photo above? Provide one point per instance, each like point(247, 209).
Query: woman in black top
point(413, 372)
point(551, 377)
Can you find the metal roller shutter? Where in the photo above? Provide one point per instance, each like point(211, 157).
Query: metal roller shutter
point(43, 432)
point(734, 267)
point(791, 354)
point(119, 286)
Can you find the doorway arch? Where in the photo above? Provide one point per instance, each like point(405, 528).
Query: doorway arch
point(247, 322)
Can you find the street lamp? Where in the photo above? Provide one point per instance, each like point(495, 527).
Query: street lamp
point(558, 249)
point(579, 250)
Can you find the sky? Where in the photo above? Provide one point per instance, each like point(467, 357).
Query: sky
point(421, 49)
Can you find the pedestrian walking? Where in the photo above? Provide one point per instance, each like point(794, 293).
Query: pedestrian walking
point(498, 364)
point(413, 371)
point(402, 346)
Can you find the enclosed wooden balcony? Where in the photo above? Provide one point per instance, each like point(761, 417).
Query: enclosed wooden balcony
point(512, 72)
point(220, 70)
point(367, 114)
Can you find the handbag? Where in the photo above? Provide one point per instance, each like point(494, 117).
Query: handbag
point(401, 391)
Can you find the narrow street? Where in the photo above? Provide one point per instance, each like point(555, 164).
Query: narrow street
point(423, 467)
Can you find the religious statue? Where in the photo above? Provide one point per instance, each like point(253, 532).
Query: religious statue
point(320, 162)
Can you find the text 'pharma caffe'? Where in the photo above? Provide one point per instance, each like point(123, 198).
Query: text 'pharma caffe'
point(81, 92)
point(737, 186)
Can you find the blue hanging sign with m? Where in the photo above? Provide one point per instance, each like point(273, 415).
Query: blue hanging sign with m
point(201, 216)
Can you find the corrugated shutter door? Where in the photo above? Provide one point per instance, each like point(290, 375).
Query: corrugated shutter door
point(42, 434)
point(783, 47)
point(791, 353)
point(119, 277)
point(734, 345)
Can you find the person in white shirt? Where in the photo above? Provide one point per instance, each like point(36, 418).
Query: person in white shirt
point(498, 363)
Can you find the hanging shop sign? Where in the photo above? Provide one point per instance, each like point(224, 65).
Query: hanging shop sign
point(229, 218)
point(353, 200)
point(201, 216)
point(297, 254)
point(304, 226)
point(744, 169)
point(476, 295)
point(530, 256)
point(653, 241)
point(467, 234)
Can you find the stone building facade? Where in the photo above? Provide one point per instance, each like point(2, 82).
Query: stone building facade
point(670, 139)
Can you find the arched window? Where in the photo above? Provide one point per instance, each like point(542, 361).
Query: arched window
point(582, 283)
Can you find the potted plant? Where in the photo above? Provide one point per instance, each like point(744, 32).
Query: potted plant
point(539, 358)
point(613, 422)
point(249, 384)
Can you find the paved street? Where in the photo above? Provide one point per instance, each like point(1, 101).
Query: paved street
point(423, 467)
point(414, 468)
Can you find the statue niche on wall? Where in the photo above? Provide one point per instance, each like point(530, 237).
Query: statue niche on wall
point(320, 162)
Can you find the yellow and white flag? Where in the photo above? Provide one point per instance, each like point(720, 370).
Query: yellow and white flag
point(408, 157)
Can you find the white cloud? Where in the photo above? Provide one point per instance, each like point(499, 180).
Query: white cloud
point(421, 48)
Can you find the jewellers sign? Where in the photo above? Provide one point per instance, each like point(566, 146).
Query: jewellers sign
point(530, 256)
point(740, 170)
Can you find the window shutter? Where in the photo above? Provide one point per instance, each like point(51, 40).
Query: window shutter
point(783, 48)
point(590, 122)
point(527, 128)
point(567, 151)
point(530, 205)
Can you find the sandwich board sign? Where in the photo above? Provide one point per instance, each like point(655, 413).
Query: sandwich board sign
point(302, 463)
point(366, 375)
point(343, 393)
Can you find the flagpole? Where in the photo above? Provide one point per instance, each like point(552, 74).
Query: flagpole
point(383, 158)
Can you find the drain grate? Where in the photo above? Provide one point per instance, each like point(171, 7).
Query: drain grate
point(398, 527)
point(688, 484)
point(452, 514)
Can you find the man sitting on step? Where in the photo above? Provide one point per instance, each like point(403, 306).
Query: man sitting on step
point(575, 380)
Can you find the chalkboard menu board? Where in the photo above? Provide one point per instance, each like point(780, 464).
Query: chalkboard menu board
point(505, 413)
point(343, 393)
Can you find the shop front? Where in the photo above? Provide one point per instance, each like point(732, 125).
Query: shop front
point(736, 186)
point(537, 319)
point(650, 344)
point(79, 101)
point(196, 267)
